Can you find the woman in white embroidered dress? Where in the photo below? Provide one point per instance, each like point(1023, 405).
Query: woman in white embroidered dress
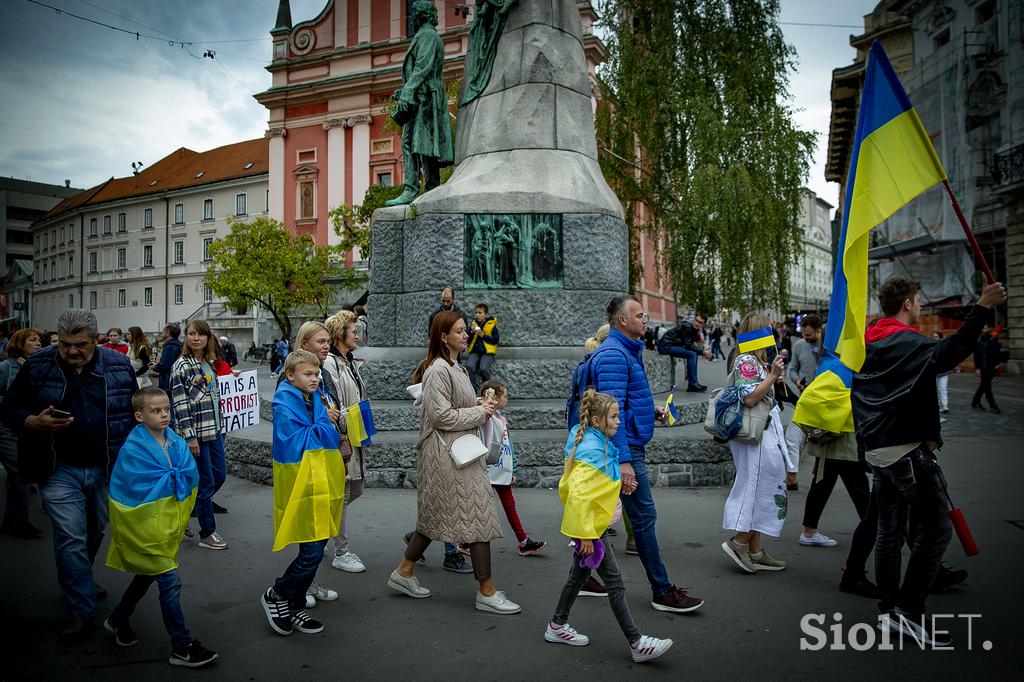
point(757, 503)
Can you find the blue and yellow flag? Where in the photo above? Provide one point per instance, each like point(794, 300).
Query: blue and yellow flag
point(359, 419)
point(152, 492)
point(670, 408)
point(590, 487)
point(892, 161)
point(756, 339)
point(309, 475)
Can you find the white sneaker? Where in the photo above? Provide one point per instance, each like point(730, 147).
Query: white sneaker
point(321, 593)
point(565, 635)
point(349, 562)
point(310, 601)
point(496, 603)
point(648, 648)
point(817, 540)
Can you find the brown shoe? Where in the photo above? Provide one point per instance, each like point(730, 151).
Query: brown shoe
point(763, 561)
point(593, 588)
point(740, 554)
point(676, 601)
point(78, 629)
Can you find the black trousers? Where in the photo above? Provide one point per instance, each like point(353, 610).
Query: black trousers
point(826, 473)
point(985, 388)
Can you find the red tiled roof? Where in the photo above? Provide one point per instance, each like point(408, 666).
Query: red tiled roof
point(177, 170)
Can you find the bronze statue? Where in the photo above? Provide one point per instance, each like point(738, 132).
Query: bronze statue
point(422, 108)
point(488, 23)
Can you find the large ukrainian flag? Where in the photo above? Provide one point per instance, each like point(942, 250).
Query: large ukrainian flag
point(892, 161)
point(152, 492)
point(590, 488)
point(309, 475)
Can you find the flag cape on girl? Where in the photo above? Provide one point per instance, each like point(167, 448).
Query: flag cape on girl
point(309, 475)
point(152, 493)
point(590, 487)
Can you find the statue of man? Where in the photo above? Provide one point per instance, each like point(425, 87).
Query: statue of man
point(488, 24)
point(422, 107)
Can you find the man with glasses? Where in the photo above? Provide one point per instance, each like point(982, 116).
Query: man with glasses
point(617, 368)
point(684, 341)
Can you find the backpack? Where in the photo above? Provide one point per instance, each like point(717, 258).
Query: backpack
point(581, 382)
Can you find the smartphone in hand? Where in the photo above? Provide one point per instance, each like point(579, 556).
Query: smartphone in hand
point(61, 414)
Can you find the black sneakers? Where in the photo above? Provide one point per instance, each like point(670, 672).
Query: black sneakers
point(123, 633)
point(301, 622)
point(456, 563)
point(195, 655)
point(947, 577)
point(531, 547)
point(279, 614)
point(859, 585)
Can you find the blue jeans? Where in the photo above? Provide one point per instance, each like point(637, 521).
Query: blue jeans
point(300, 574)
point(169, 584)
point(642, 515)
point(213, 471)
point(684, 353)
point(76, 500)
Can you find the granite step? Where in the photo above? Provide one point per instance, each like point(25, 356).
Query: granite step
point(677, 456)
point(523, 415)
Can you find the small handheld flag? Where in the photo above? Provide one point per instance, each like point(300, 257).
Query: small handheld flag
point(670, 408)
point(756, 340)
point(359, 419)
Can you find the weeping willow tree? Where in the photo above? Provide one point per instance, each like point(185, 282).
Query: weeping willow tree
point(695, 125)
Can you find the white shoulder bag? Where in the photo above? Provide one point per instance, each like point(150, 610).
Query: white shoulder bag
point(465, 449)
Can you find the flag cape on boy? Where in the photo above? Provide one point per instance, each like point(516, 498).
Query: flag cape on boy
point(590, 488)
point(892, 161)
point(152, 493)
point(309, 475)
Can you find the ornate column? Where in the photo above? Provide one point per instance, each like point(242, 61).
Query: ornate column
point(360, 125)
point(335, 128)
point(276, 136)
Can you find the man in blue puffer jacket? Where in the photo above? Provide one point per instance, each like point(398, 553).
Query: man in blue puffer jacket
point(72, 404)
point(617, 368)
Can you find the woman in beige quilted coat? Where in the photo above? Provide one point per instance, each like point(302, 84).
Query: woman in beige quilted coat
point(455, 505)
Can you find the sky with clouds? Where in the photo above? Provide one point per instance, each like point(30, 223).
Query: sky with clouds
point(83, 102)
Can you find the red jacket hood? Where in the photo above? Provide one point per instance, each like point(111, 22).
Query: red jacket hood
point(887, 326)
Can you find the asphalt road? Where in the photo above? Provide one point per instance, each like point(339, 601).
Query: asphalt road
point(749, 626)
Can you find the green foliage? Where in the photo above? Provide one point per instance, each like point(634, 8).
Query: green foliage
point(695, 124)
point(260, 261)
point(352, 223)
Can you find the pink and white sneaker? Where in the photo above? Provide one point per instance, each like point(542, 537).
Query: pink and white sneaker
point(564, 634)
point(648, 648)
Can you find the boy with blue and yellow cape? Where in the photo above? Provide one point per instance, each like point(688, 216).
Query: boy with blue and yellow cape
point(152, 492)
point(309, 489)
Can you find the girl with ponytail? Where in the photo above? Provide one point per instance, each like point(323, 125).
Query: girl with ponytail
point(589, 489)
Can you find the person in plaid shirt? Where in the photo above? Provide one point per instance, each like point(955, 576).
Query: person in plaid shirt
point(196, 405)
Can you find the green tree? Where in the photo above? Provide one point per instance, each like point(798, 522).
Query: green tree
point(352, 223)
point(260, 261)
point(695, 124)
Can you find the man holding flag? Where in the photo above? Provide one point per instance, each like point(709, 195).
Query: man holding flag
point(894, 405)
point(896, 413)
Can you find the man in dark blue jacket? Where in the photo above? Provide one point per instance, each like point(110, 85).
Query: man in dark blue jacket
point(169, 352)
point(986, 363)
point(617, 368)
point(73, 405)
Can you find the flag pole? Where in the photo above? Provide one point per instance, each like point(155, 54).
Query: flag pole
point(970, 235)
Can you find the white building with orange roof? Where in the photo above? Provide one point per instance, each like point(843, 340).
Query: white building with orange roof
point(135, 249)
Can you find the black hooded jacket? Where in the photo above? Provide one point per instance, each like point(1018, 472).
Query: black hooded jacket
point(894, 396)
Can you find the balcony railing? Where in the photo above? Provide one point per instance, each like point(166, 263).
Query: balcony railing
point(1007, 169)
